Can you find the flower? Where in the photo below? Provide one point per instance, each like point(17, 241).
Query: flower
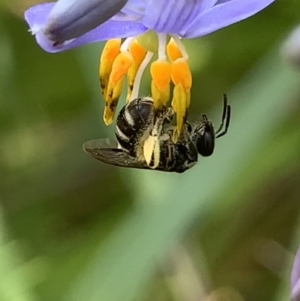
point(60, 24)
point(149, 26)
point(295, 278)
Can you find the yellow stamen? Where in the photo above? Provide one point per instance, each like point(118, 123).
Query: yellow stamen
point(182, 79)
point(160, 98)
point(160, 86)
point(173, 51)
point(181, 47)
point(116, 79)
point(138, 54)
point(179, 104)
point(112, 102)
point(109, 54)
point(181, 73)
point(139, 74)
point(131, 59)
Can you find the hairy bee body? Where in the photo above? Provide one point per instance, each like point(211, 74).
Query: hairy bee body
point(147, 135)
point(133, 125)
point(144, 138)
point(170, 156)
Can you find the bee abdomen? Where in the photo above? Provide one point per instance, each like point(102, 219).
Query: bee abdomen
point(133, 121)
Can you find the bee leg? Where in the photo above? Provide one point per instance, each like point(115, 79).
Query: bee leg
point(151, 148)
point(166, 114)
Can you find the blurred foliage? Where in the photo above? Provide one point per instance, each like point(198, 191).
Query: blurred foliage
point(75, 229)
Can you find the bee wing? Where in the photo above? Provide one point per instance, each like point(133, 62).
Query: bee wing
point(106, 151)
point(100, 143)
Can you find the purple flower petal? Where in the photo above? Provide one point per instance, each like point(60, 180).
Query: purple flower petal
point(37, 15)
point(36, 18)
point(221, 1)
point(223, 15)
point(173, 16)
point(134, 8)
point(207, 4)
point(70, 19)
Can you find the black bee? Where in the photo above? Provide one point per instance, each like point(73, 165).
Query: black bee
point(144, 139)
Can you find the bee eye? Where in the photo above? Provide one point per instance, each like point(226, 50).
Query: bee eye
point(206, 143)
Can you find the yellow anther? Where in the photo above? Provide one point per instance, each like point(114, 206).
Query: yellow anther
point(161, 74)
point(120, 67)
point(116, 79)
point(137, 51)
point(181, 73)
point(182, 79)
point(180, 105)
point(108, 55)
point(138, 54)
point(160, 98)
point(160, 86)
point(173, 51)
point(112, 102)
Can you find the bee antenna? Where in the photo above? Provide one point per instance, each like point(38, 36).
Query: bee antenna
point(224, 114)
point(204, 117)
point(228, 115)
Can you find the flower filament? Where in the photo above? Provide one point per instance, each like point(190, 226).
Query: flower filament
point(131, 58)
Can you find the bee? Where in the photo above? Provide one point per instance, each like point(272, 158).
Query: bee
point(144, 139)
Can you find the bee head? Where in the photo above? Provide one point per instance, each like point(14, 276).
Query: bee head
point(203, 134)
point(203, 137)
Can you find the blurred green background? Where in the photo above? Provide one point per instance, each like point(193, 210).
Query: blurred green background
point(75, 229)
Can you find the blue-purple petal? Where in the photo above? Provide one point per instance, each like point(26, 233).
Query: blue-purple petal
point(189, 19)
point(222, 15)
point(207, 4)
point(172, 16)
point(221, 1)
point(135, 8)
point(72, 18)
point(36, 18)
